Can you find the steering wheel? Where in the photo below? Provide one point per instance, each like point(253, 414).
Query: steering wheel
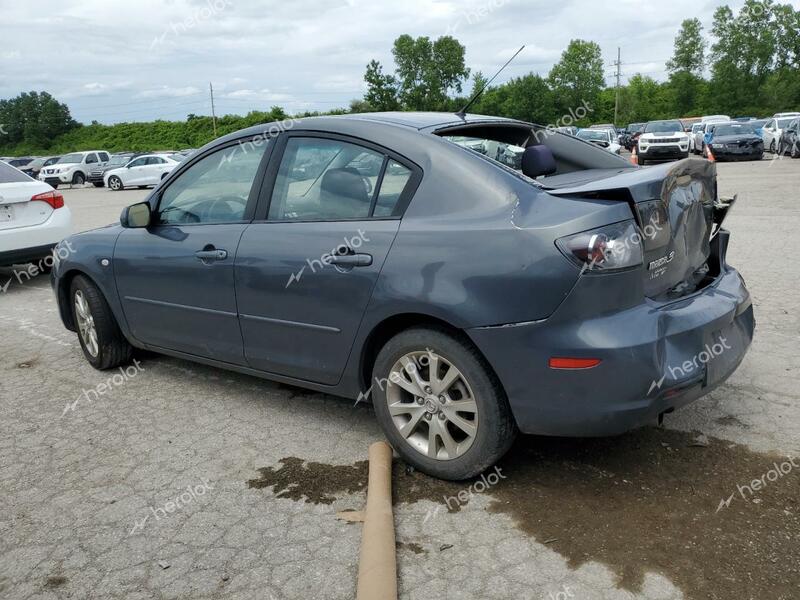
point(367, 184)
point(224, 200)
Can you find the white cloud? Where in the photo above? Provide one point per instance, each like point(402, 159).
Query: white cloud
point(307, 54)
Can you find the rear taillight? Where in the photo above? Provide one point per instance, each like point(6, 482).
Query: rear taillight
point(54, 199)
point(562, 362)
point(609, 248)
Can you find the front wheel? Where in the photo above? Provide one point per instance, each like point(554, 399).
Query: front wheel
point(78, 179)
point(772, 146)
point(440, 405)
point(115, 183)
point(101, 340)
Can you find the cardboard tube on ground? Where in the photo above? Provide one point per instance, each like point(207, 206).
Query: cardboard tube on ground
point(377, 569)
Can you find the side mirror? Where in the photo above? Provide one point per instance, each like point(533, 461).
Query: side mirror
point(135, 216)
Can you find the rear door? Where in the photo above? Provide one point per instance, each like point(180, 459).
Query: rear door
point(306, 268)
point(176, 278)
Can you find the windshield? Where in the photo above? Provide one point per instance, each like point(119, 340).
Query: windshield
point(733, 129)
point(636, 127)
point(784, 122)
point(663, 127)
point(593, 134)
point(119, 161)
point(71, 158)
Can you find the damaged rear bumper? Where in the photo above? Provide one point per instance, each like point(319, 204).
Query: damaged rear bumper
point(655, 356)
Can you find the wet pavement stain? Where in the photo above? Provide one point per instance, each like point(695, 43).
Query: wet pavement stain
point(650, 501)
point(320, 483)
point(55, 581)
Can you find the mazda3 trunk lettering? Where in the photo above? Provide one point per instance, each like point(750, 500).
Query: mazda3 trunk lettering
point(396, 257)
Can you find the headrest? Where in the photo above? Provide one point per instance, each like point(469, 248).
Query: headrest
point(345, 182)
point(538, 160)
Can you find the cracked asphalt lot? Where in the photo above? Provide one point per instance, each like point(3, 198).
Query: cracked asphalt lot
point(184, 481)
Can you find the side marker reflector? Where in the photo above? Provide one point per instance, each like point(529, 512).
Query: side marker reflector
point(573, 363)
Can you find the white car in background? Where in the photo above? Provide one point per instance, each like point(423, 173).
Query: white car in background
point(771, 132)
point(694, 135)
point(142, 171)
point(73, 168)
point(33, 218)
point(605, 138)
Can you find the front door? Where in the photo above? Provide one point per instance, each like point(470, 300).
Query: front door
point(176, 277)
point(306, 272)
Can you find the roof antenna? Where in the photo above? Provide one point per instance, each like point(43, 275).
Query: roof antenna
point(463, 112)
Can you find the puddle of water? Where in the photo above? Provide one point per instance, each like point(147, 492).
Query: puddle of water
point(646, 501)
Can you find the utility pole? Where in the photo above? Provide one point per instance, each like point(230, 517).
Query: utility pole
point(214, 114)
point(618, 64)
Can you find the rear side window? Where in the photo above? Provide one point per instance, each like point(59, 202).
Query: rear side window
point(395, 180)
point(9, 174)
point(104, 157)
point(333, 180)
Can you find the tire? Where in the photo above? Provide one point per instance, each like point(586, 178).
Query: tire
point(110, 348)
point(78, 178)
point(795, 151)
point(475, 386)
point(641, 161)
point(97, 183)
point(115, 183)
point(772, 147)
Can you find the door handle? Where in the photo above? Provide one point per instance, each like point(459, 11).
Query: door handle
point(211, 254)
point(351, 260)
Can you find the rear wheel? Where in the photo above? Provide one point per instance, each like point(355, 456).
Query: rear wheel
point(440, 405)
point(78, 179)
point(795, 151)
point(772, 146)
point(101, 340)
point(115, 183)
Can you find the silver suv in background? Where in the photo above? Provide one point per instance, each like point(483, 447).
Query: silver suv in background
point(73, 168)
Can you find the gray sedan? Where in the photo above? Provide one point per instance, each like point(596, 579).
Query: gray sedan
point(394, 258)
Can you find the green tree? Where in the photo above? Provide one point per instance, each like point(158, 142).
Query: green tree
point(34, 119)
point(381, 89)
point(428, 71)
point(577, 78)
point(689, 50)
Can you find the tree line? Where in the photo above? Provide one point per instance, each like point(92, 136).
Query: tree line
point(749, 67)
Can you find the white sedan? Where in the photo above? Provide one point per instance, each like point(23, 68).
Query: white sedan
point(771, 132)
point(33, 219)
point(141, 172)
point(605, 138)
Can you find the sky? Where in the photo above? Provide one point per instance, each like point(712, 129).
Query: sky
point(140, 60)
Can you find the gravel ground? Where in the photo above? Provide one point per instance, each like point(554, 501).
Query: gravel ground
point(183, 481)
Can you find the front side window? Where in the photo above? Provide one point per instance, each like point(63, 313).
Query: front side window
point(139, 162)
point(91, 159)
point(215, 189)
point(323, 179)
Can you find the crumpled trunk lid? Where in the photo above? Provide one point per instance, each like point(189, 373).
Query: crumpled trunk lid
point(677, 210)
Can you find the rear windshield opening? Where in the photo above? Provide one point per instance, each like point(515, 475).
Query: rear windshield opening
point(505, 144)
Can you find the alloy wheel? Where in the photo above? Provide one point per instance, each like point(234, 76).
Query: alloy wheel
point(114, 183)
point(432, 405)
point(86, 327)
